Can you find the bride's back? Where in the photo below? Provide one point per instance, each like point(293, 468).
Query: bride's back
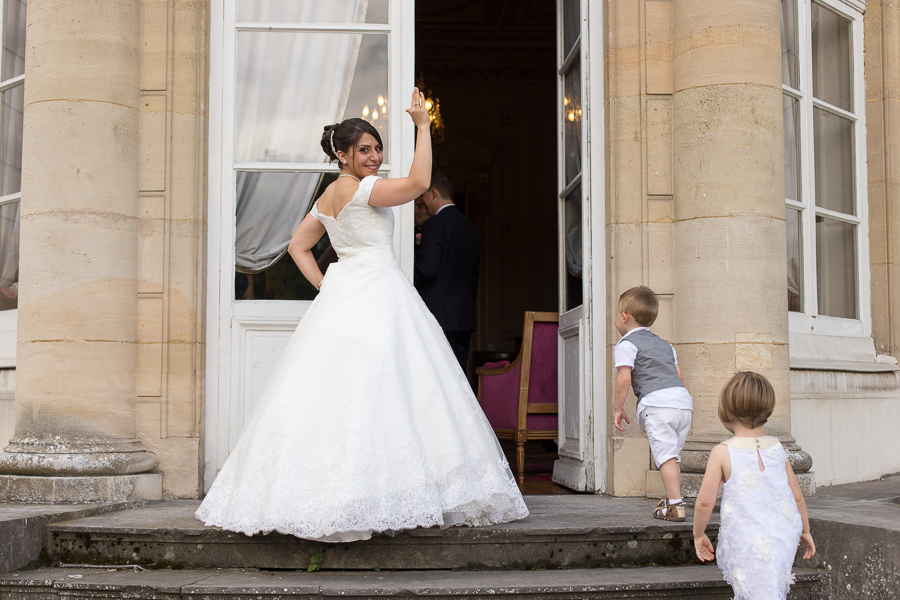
point(353, 225)
point(336, 196)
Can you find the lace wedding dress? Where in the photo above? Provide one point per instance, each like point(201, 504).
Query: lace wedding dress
point(367, 423)
point(760, 523)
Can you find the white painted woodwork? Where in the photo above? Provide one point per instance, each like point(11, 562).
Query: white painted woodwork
point(582, 368)
point(245, 338)
point(815, 337)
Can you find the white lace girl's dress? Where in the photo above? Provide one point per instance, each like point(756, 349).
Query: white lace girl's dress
point(760, 523)
point(367, 423)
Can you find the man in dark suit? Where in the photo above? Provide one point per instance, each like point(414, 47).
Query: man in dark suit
point(446, 266)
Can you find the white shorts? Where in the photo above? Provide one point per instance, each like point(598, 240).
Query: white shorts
point(666, 428)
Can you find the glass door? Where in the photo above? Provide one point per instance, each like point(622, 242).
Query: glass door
point(581, 456)
point(280, 71)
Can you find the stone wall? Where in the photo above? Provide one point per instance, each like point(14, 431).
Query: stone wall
point(882, 77)
point(171, 273)
point(640, 211)
point(846, 422)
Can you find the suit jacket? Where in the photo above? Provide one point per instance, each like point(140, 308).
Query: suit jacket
point(446, 269)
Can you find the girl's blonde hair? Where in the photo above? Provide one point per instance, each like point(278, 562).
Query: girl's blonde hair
point(748, 398)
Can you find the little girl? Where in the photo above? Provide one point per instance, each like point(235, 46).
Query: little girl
point(763, 515)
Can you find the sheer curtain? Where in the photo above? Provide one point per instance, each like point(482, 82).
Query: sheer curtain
point(289, 85)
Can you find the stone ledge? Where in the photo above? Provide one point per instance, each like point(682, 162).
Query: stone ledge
point(649, 582)
point(80, 490)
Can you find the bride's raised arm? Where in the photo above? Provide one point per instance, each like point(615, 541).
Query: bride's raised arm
point(394, 192)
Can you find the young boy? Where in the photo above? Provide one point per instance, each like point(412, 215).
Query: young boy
point(650, 366)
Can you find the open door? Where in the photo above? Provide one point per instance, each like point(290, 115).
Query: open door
point(582, 274)
point(279, 72)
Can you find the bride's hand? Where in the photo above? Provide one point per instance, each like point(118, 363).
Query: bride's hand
point(417, 109)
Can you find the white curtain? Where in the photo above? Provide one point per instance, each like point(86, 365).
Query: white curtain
point(289, 85)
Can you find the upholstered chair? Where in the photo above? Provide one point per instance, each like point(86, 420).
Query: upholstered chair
point(520, 398)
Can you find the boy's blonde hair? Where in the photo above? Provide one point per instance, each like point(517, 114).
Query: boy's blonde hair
point(641, 303)
point(748, 398)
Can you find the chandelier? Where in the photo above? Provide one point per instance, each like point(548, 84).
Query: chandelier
point(433, 106)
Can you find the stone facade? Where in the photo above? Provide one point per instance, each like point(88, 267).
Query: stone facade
point(110, 358)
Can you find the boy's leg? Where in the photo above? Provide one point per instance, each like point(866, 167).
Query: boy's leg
point(666, 430)
point(671, 476)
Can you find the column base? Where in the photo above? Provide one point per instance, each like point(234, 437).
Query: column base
point(690, 485)
point(28, 489)
point(696, 453)
point(51, 456)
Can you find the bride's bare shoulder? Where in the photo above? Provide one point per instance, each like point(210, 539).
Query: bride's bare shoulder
point(335, 197)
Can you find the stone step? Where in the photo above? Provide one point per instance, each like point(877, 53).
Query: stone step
point(22, 526)
point(647, 582)
point(562, 532)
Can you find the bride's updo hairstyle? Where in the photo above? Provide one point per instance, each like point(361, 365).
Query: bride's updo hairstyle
point(343, 136)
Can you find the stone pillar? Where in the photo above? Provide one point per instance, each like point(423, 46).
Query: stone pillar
point(730, 309)
point(75, 396)
point(882, 42)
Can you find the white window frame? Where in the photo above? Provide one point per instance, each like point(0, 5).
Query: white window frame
point(814, 336)
point(8, 318)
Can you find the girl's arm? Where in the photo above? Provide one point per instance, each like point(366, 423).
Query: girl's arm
point(394, 192)
point(806, 539)
point(305, 237)
point(706, 500)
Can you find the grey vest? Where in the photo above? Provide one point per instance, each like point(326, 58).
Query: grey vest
point(654, 366)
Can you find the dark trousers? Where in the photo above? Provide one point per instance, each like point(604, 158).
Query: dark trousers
point(459, 342)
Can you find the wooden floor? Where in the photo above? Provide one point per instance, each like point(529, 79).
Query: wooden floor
point(539, 458)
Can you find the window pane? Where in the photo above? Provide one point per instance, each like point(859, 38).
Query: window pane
point(794, 260)
point(11, 150)
point(571, 23)
point(313, 11)
point(831, 57)
point(290, 85)
point(791, 148)
point(833, 143)
point(9, 256)
point(836, 268)
point(270, 206)
point(572, 116)
point(14, 39)
point(789, 63)
point(574, 261)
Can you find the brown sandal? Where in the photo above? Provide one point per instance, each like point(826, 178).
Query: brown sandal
point(669, 512)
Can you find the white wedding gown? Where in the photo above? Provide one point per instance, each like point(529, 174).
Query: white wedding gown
point(367, 423)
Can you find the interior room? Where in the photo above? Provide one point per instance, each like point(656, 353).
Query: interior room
point(490, 66)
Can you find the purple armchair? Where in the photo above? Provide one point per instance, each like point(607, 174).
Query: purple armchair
point(520, 398)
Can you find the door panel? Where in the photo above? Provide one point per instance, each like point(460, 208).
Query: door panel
point(580, 196)
point(279, 71)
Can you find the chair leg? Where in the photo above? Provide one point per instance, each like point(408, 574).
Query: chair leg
point(520, 462)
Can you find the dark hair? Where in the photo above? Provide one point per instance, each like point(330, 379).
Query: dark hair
point(442, 184)
point(346, 134)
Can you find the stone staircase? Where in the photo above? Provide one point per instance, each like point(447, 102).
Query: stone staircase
point(570, 547)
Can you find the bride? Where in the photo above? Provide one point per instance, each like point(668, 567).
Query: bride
point(367, 424)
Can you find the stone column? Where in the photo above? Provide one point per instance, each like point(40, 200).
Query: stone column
point(75, 395)
point(730, 309)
